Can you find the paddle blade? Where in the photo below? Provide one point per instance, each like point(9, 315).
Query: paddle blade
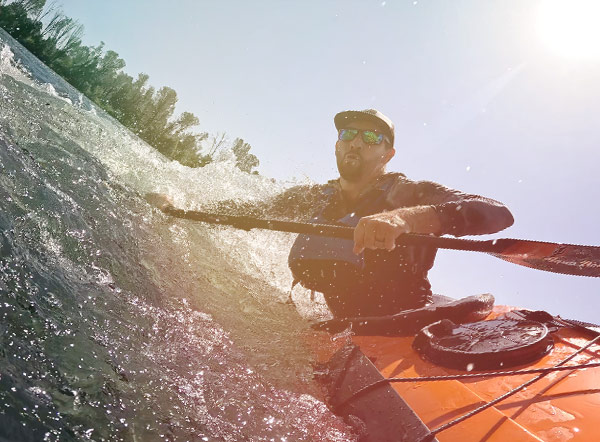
point(569, 259)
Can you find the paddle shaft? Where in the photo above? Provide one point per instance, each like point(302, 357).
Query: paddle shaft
point(552, 257)
point(344, 232)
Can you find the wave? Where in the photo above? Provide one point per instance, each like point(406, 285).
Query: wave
point(119, 323)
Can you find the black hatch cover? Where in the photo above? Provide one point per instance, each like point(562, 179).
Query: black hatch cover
point(484, 345)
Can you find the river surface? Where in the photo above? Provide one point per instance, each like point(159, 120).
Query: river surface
point(118, 323)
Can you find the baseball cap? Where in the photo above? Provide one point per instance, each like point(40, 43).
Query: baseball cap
point(342, 119)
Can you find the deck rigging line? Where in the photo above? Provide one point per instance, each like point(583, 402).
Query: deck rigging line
point(493, 402)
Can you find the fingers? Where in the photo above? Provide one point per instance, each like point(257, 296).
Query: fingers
point(390, 242)
point(359, 237)
point(378, 232)
point(372, 234)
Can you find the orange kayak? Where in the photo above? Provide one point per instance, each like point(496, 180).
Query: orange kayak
point(556, 405)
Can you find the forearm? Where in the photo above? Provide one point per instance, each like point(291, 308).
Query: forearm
point(429, 208)
point(420, 219)
point(459, 213)
point(473, 216)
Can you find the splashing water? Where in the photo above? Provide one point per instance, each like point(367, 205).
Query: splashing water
point(119, 323)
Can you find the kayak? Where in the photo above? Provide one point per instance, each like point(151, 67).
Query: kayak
point(388, 388)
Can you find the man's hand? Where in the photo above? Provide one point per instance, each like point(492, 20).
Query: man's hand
point(158, 200)
point(380, 231)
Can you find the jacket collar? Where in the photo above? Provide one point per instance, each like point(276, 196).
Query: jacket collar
point(379, 184)
point(338, 206)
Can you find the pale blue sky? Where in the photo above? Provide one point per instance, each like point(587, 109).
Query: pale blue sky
point(479, 102)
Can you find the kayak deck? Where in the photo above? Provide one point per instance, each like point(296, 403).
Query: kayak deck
point(561, 406)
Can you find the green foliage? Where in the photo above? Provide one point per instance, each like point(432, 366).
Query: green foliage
point(245, 161)
point(56, 40)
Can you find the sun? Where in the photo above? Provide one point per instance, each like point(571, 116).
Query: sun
point(570, 28)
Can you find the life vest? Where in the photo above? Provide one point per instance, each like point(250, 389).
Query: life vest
point(374, 282)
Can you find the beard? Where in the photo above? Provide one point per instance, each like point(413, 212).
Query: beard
point(351, 169)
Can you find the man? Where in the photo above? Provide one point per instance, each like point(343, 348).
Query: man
point(370, 276)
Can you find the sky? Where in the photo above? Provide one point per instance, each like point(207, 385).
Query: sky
point(498, 98)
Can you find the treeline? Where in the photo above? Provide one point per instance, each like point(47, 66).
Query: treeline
point(98, 73)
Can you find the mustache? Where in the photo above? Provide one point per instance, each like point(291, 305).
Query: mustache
point(355, 155)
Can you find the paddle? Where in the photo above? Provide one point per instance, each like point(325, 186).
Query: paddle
point(569, 259)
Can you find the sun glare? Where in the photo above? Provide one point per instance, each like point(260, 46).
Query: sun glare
point(571, 28)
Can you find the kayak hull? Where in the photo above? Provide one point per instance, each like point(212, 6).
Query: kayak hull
point(350, 370)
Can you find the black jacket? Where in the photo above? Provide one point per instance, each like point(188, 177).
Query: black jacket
point(382, 282)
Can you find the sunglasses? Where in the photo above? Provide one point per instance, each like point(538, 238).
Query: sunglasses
point(368, 136)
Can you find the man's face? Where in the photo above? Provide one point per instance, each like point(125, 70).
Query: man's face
point(357, 160)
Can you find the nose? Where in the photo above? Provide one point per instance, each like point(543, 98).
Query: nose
point(356, 143)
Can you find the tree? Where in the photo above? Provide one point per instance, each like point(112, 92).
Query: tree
point(33, 8)
point(99, 75)
point(63, 31)
point(245, 161)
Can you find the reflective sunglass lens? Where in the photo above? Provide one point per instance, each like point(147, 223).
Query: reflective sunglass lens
point(348, 134)
point(368, 136)
point(371, 137)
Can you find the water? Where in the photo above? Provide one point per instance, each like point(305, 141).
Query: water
point(119, 323)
